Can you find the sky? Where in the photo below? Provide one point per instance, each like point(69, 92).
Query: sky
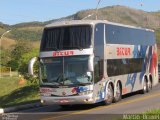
point(17, 11)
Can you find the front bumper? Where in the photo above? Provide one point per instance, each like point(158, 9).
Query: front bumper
point(68, 100)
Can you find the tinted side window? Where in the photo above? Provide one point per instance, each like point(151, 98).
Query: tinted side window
point(99, 34)
point(124, 35)
point(123, 66)
point(98, 69)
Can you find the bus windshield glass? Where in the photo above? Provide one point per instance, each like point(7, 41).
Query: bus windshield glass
point(66, 38)
point(72, 70)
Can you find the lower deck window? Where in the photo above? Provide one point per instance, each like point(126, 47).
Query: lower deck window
point(124, 66)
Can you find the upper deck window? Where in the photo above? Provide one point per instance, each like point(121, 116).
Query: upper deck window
point(66, 37)
point(131, 36)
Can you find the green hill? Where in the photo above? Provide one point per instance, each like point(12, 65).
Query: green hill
point(120, 14)
point(125, 15)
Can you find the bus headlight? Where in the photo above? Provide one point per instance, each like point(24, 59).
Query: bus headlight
point(86, 92)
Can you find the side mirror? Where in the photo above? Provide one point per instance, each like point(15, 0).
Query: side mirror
point(90, 63)
point(30, 66)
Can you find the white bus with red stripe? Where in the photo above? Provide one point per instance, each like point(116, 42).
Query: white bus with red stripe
point(91, 61)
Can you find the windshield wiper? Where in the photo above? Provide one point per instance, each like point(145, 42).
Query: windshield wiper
point(57, 83)
point(60, 79)
point(51, 81)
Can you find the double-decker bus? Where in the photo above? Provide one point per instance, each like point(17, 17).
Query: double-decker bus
point(91, 61)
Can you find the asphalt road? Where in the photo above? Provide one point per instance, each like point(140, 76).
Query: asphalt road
point(130, 104)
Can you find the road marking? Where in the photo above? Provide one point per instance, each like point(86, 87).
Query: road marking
point(109, 106)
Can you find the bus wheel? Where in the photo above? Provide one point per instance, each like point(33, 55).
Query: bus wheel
point(118, 93)
point(109, 95)
point(145, 87)
point(149, 87)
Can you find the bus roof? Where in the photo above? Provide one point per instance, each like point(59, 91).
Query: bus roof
point(91, 22)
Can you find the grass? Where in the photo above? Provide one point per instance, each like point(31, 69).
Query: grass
point(12, 93)
point(8, 84)
point(148, 115)
point(154, 111)
point(7, 43)
point(2, 31)
point(37, 28)
point(25, 34)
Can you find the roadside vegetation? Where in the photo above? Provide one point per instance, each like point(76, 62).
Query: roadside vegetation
point(154, 111)
point(20, 88)
point(153, 114)
point(25, 34)
point(15, 91)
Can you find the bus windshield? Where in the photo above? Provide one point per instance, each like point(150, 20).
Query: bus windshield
point(72, 70)
point(66, 38)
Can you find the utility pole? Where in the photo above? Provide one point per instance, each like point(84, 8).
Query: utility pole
point(97, 9)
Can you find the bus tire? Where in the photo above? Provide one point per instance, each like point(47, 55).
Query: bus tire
point(118, 93)
point(149, 84)
point(109, 95)
point(144, 89)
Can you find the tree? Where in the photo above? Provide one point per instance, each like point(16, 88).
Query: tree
point(4, 56)
point(23, 66)
point(24, 60)
point(20, 48)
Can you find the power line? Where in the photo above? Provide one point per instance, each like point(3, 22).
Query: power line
point(95, 13)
